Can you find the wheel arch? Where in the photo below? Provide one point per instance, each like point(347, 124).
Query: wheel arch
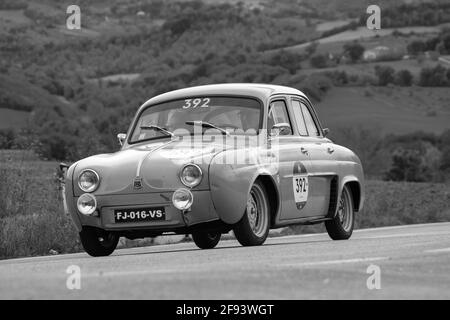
point(355, 189)
point(272, 194)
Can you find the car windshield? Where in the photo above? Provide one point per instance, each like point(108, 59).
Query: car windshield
point(236, 115)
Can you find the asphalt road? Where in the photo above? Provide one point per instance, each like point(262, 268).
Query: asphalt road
point(414, 263)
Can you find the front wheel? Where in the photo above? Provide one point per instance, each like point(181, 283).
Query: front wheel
point(206, 240)
point(253, 228)
point(341, 226)
point(97, 242)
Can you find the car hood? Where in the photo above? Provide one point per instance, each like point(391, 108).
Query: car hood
point(156, 165)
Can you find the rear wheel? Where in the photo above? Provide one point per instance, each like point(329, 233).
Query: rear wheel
point(341, 226)
point(97, 242)
point(206, 240)
point(253, 228)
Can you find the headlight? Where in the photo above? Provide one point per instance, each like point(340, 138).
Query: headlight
point(87, 204)
point(191, 175)
point(88, 180)
point(182, 199)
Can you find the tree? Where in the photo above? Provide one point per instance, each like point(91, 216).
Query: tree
point(446, 42)
point(311, 48)
point(354, 50)
point(445, 159)
point(385, 75)
point(445, 147)
point(434, 77)
point(416, 47)
point(403, 78)
point(407, 165)
point(7, 138)
point(319, 61)
point(286, 59)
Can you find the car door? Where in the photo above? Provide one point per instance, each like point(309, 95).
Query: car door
point(293, 164)
point(319, 149)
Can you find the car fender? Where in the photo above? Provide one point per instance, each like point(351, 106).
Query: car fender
point(353, 178)
point(230, 185)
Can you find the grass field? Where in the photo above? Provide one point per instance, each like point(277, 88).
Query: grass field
point(368, 68)
point(389, 110)
point(32, 221)
point(364, 34)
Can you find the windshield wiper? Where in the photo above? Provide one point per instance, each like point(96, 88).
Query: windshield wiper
point(158, 128)
point(206, 124)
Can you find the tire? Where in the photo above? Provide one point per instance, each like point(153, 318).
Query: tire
point(97, 242)
point(253, 228)
point(341, 226)
point(206, 240)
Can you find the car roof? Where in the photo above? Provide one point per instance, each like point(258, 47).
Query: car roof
point(261, 91)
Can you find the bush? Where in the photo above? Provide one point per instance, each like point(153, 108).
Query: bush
point(7, 138)
point(315, 86)
point(408, 165)
point(338, 78)
point(286, 59)
point(416, 47)
point(319, 61)
point(403, 78)
point(434, 77)
point(311, 48)
point(354, 50)
point(385, 75)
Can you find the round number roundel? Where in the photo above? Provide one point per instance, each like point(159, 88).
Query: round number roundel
point(300, 185)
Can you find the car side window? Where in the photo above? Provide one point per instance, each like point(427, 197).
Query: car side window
point(278, 114)
point(313, 131)
point(299, 120)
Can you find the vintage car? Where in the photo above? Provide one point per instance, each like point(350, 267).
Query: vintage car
point(212, 159)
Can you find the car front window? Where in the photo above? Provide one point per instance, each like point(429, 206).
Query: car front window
point(235, 114)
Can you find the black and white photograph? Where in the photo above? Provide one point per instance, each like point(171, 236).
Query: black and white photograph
point(224, 155)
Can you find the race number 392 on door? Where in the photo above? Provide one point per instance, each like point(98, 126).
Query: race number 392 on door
point(300, 185)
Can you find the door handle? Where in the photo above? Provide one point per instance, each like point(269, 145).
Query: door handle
point(303, 150)
point(330, 150)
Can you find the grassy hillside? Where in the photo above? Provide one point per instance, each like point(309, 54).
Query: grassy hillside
point(17, 93)
point(86, 85)
point(387, 110)
point(13, 118)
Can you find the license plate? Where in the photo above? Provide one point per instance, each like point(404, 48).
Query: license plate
point(139, 215)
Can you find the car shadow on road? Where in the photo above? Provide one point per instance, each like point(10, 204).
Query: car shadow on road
point(237, 246)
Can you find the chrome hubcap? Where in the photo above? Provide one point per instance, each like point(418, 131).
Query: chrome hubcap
point(257, 211)
point(252, 212)
point(345, 211)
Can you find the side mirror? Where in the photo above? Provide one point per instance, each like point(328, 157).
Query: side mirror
point(281, 129)
point(325, 131)
point(121, 137)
